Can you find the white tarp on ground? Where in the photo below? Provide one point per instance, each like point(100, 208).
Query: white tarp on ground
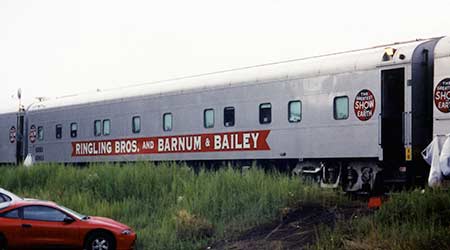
point(437, 154)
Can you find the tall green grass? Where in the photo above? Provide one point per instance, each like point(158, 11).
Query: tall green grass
point(410, 220)
point(169, 205)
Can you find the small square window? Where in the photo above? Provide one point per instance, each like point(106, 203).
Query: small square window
point(228, 116)
point(136, 124)
point(167, 122)
point(40, 133)
point(97, 128)
point(265, 113)
point(340, 108)
point(295, 111)
point(58, 131)
point(106, 127)
point(208, 118)
point(73, 130)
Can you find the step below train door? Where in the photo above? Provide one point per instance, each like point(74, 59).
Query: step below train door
point(392, 121)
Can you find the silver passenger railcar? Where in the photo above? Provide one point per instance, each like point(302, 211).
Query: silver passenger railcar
point(353, 117)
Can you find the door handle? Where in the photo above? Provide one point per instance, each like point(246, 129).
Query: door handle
point(26, 225)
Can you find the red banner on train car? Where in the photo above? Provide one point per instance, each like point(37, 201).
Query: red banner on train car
point(219, 142)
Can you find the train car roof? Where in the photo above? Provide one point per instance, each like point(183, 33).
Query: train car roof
point(10, 109)
point(442, 48)
point(355, 60)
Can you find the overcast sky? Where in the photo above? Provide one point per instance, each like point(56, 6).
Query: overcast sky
point(54, 48)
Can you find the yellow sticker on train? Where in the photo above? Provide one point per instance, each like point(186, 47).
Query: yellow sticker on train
point(408, 154)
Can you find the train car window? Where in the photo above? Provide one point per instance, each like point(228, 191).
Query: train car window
point(228, 116)
point(341, 108)
point(208, 118)
point(295, 111)
point(58, 131)
point(73, 130)
point(97, 128)
point(167, 122)
point(265, 113)
point(40, 133)
point(106, 127)
point(136, 124)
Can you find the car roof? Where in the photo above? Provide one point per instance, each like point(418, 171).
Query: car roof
point(26, 202)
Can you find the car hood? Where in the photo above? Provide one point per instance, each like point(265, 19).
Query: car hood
point(107, 222)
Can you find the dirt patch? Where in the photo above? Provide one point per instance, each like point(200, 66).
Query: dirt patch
point(296, 230)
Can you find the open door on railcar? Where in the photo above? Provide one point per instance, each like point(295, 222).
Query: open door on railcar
point(421, 110)
point(20, 138)
point(392, 133)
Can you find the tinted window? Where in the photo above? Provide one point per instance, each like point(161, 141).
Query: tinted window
point(106, 127)
point(136, 124)
point(97, 128)
point(40, 133)
point(208, 118)
point(4, 198)
point(13, 214)
point(341, 108)
point(73, 130)
point(167, 122)
point(295, 111)
point(42, 213)
point(265, 113)
point(58, 131)
point(228, 117)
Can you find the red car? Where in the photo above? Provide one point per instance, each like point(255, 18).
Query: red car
point(34, 224)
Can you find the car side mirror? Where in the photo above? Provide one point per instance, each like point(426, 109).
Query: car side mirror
point(68, 220)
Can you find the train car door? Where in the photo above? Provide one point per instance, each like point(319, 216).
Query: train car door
point(19, 137)
point(392, 108)
point(421, 110)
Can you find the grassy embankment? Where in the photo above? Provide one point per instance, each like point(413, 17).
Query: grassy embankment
point(168, 205)
point(413, 220)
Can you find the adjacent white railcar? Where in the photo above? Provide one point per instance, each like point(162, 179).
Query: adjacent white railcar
point(345, 116)
point(441, 110)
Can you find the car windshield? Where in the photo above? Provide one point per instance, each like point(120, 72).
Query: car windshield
point(70, 211)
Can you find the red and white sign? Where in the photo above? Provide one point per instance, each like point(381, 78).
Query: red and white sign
point(220, 142)
point(32, 134)
point(442, 96)
point(12, 134)
point(364, 105)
